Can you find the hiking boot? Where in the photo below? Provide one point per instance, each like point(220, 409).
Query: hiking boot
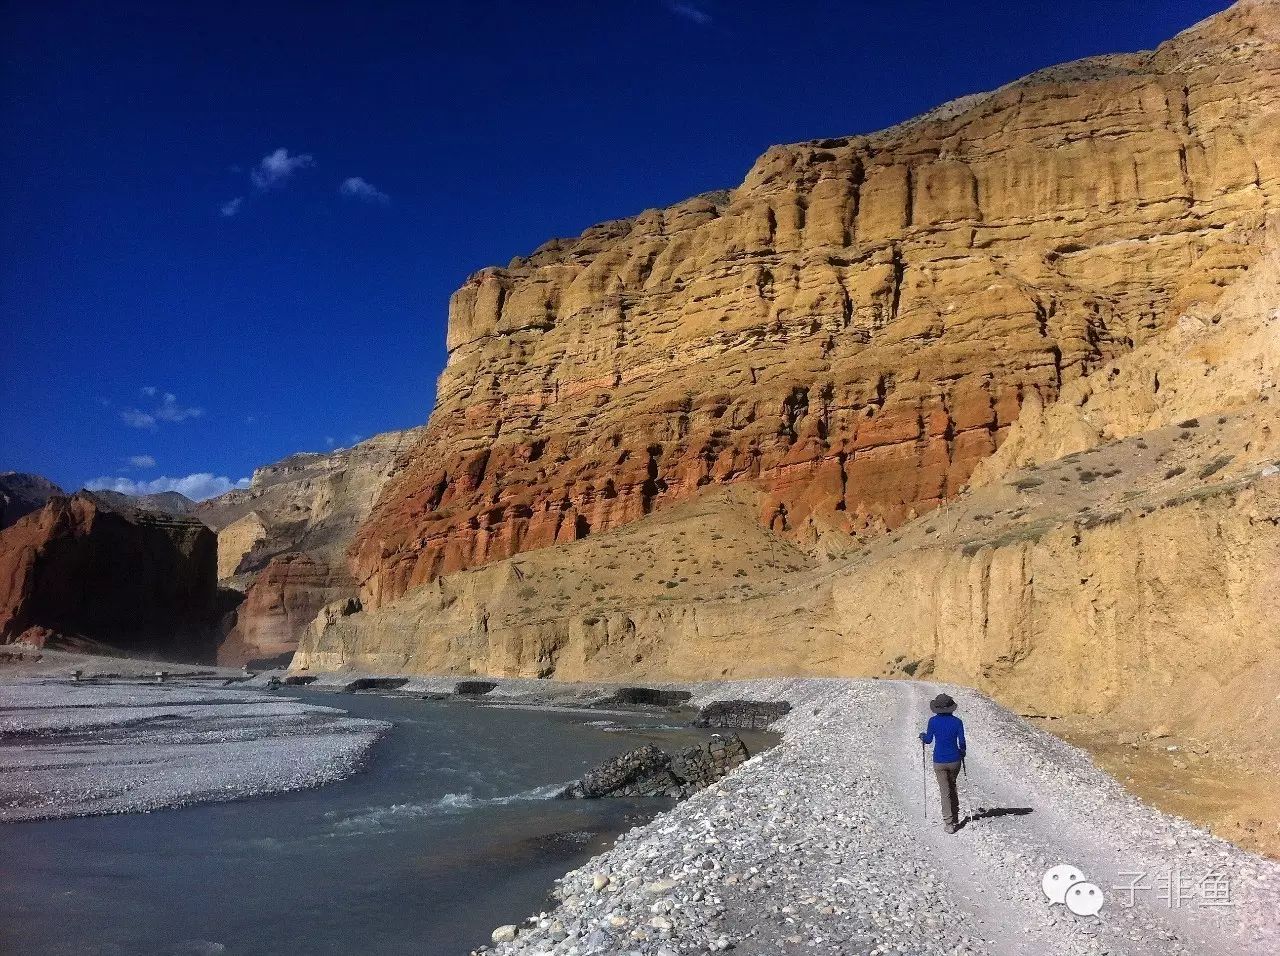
point(951, 827)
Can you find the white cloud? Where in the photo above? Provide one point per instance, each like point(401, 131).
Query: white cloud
point(689, 12)
point(275, 168)
point(142, 461)
point(136, 418)
point(169, 409)
point(197, 487)
point(357, 439)
point(357, 187)
point(231, 206)
point(328, 440)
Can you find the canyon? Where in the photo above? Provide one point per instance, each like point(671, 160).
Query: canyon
point(988, 397)
point(282, 542)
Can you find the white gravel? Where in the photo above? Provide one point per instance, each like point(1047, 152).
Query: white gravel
point(819, 846)
point(75, 749)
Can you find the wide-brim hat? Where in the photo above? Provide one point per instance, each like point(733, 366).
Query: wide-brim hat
point(942, 704)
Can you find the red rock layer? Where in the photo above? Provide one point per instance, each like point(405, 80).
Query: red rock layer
point(854, 327)
point(138, 581)
point(282, 600)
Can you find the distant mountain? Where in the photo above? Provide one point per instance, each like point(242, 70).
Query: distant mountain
point(284, 539)
point(166, 502)
point(21, 494)
point(85, 570)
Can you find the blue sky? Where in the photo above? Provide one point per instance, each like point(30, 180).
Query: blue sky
point(230, 230)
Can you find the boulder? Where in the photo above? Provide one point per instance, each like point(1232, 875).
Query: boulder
point(649, 771)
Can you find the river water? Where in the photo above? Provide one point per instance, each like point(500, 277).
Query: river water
point(446, 833)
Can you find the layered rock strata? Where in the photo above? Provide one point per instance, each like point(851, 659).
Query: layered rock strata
point(855, 326)
point(84, 571)
point(283, 541)
point(1133, 576)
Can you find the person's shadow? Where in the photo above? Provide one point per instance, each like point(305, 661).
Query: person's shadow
point(987, 814)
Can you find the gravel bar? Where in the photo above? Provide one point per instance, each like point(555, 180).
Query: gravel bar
point(822, 845)
point(77, 749)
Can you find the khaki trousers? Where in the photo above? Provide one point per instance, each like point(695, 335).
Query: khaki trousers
point(947, 773)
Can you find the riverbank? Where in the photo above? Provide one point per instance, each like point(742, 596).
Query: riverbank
point(821, 845)
point(828, 843)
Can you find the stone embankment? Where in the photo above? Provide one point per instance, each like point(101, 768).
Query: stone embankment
point(827, 844)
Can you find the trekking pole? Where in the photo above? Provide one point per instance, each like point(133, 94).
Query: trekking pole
point(924, 786)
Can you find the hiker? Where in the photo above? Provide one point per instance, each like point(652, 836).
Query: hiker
point(946, 732)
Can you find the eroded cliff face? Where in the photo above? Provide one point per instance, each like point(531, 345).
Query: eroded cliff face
point(1121, 559)
point(82, 571)
point(280, 604)
point(1135, 580)
point(283, 540)
point(854, 327)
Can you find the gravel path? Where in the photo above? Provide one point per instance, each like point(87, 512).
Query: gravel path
point(70, 749)
point(820, 846)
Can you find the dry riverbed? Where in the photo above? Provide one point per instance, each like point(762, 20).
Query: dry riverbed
point(75, 749)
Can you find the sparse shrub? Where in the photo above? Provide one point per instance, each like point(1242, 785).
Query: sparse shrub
point(1183, 436)
point(671, 584)
point(1190, 423)
point(526, 592)
point(1174, 472)
point(1103, 518)
point(909, 668)
point(1216, 465)
point(1026, 484)
point(1087, 476)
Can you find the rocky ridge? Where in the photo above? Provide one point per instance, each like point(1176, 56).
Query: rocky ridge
point(853, 328)
point(85, 571)
point(21, 494)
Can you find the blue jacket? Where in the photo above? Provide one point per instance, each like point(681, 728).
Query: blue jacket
point(946, 733)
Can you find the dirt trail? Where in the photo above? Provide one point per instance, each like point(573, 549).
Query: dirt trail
point(819, 847)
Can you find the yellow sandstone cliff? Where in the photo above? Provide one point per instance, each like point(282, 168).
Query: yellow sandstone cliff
point(853, 328)
point(1119, 555)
